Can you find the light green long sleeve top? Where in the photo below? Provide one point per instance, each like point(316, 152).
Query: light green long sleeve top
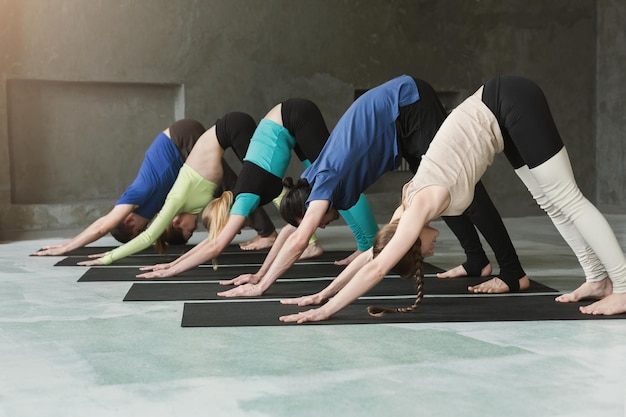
point(190, 194)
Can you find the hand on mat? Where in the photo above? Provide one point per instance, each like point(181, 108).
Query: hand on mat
point(247, 290)
point(306, 300)
point(94, 262)
point(316, 314)
point(242, 279)
point(161, 273)
point(51, 250)
point(346, 261)
point(157, 267)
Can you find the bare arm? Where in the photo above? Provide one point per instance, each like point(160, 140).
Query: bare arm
point(337, 284)
point(288, 254)
point(426, 205)
point(202, 252)
point(93, 232)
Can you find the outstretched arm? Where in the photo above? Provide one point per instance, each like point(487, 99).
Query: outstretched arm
point(426, 205)
point(144, 240)
point(288, 254)
point(200, 253)
point(93, 232)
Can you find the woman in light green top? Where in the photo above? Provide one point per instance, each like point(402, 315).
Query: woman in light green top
point(193, 190)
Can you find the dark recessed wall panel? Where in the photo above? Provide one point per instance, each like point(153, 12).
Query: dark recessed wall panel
point(62, 134)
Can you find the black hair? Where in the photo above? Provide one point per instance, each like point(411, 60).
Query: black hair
point(293, 204)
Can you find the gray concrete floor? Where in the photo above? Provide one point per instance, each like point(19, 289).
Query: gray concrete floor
point(75, 349)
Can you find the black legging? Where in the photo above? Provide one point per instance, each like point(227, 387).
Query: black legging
point(304, 121)
point(522, 112)
point(417, 125)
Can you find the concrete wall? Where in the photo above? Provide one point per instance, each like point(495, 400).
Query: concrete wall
point(611, 106)
point(85, 85)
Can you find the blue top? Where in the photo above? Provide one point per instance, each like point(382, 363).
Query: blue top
point(156, 177)
point(362, 146)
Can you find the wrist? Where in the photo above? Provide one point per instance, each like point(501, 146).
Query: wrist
point(330, 308)
point(263, 285)
point(323, 295)
point(107, 259)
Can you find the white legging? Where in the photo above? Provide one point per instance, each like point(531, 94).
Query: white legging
point(584, 228)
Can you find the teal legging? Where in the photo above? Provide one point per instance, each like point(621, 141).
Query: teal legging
point(361, 221)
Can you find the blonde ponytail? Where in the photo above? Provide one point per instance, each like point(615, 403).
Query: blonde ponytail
point(215, 216)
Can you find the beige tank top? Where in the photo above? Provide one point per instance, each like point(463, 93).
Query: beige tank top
point(459, 155)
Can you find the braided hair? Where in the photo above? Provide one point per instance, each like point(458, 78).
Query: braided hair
point(411, 265)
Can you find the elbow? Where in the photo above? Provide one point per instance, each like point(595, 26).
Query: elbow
point(215, 248)
point(102, 230)
point(300, 241)
point(378, 272)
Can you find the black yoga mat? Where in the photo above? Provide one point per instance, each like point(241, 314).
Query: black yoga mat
point(90, 250)
point(241, 258)
point(432, 310)
point(171, 250)
point(388, 287)
point(134, 260)
point(208, 274)
point(225, 272)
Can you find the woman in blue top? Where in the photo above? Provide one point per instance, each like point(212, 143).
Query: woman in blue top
point(145, 196)
point(395, 120)
point(293, 124)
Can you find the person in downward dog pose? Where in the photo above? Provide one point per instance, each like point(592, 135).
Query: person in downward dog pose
point(145, 196)
point(195, 185)
point(395, 120)
point(293, 124)
point(507, 114)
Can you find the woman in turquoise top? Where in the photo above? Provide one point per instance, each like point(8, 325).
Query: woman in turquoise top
point(194, 188)
point(293, 124)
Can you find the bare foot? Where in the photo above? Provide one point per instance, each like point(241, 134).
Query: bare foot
point(259, 242)
point(496, 286)
point(349, 259)
point(460, 271)
point(314, 249)
point(611, 304)
point(597, 290)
